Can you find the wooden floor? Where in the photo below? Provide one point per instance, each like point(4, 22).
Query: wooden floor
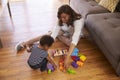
point(31, 18)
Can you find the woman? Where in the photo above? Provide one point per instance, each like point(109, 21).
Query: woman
point(68, 30)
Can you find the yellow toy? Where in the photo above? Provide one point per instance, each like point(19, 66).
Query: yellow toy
point(83, 58)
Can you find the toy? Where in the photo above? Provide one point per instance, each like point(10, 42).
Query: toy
point(75, 58)
point(75, 52)
point(82, 58)
point(79, 54)
point(80, 63)
point(78, 60)
point(60, 52)
point(74, 64)
point(49, 71)
point(50, 68)
point(70, 71)
point(61, 64)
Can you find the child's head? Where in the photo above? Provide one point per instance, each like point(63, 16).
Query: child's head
point(46, 41)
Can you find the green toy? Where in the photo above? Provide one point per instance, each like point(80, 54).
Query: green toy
point(70, 71)
point(79, 54)
point(49, 71)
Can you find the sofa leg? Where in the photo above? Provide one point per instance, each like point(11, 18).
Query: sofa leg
point(118, 70)
point(117, 75)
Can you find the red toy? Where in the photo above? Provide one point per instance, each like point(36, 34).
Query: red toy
point(75, 58)
point(61, 63)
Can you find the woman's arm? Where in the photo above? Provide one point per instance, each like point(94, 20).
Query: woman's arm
point(78, 26)
point(67, 59)
point(55, 32)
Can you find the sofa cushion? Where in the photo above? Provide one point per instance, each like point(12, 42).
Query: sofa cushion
point(109, 4)
point(98, 1)
point(107, 27)
point(85, 7)
point(118, 7)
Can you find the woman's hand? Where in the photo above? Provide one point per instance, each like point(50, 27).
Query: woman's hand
point(55, 66)
point(67, 62)
point(67, 59)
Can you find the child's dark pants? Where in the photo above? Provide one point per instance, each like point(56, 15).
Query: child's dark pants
point(42, 65)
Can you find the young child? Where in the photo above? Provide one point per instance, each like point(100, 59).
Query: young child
point(39, 56)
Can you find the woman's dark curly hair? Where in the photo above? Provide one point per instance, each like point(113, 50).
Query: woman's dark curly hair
point(67, 10)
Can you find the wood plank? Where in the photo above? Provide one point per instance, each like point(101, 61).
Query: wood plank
point(30, 19)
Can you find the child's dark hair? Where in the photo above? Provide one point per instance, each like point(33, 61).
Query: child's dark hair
point(46, 40)
point(68, 10)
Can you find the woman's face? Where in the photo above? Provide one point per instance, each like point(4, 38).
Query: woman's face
point(64, 17)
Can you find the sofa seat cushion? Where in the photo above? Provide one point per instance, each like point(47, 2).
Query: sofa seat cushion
point(85, 7)
point(107, 27)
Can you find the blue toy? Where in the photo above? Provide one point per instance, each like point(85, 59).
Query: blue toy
point(74, 64)
point(75, 52)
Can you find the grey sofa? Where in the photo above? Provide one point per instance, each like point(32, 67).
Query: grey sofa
point(86, 7)
point(104, 27)
point(105, 30)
